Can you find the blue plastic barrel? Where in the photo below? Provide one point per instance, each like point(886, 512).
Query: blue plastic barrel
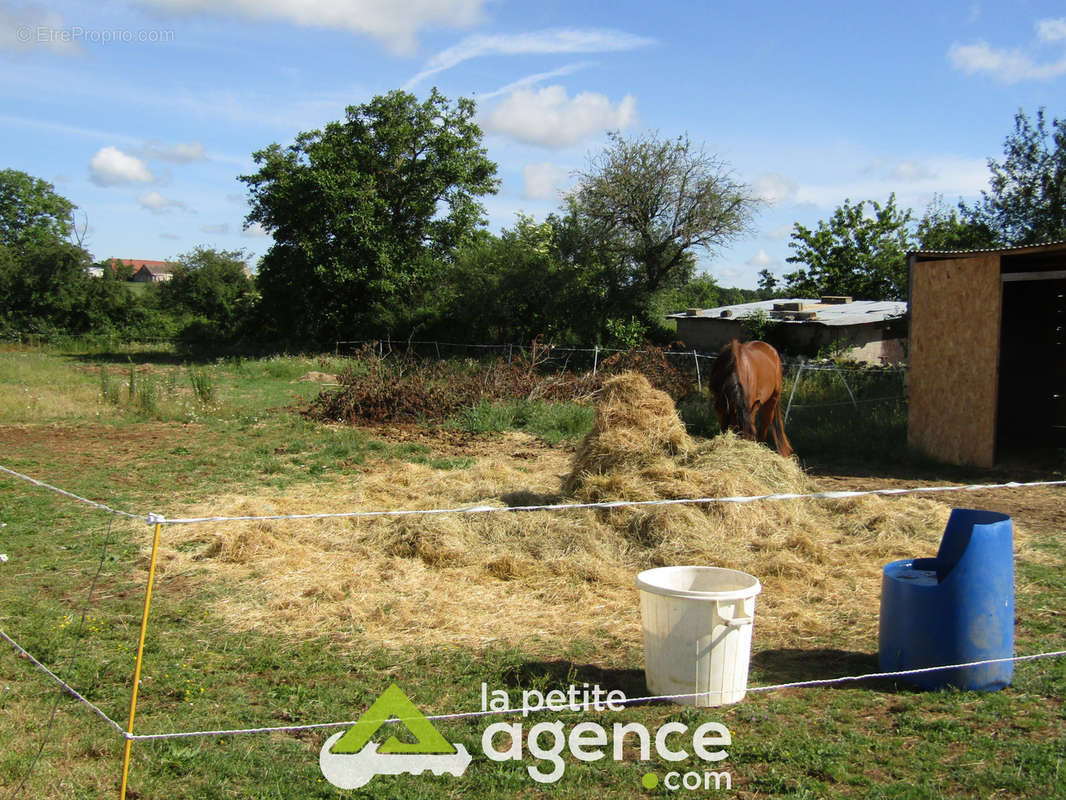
point(955, 608)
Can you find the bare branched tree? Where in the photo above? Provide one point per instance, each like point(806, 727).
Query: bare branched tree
point(655, 201)
point(78, 231)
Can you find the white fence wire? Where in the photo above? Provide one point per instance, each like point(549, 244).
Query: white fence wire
point(157, 519)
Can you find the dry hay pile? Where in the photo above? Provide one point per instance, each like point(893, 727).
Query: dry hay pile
point(541, 579)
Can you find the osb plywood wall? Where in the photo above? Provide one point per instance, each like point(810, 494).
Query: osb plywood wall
point(954, 358)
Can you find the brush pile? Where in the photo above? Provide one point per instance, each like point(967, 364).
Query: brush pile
point(543, 579)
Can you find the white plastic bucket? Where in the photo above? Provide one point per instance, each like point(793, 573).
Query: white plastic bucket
point(697, 632)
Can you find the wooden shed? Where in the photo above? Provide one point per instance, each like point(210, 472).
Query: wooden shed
point(987, 352)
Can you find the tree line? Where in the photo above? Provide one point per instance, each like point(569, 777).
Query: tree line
point(379, 229)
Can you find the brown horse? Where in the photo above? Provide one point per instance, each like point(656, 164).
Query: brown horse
point(746, 383)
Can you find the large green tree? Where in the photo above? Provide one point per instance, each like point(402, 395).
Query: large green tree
point(1026, 203)
point(511, 287)
point(211, 295)
point(943, 228)
point(364, 212)
point(46, 288)
point(210, 284)
point(646, 205)
point(44, 282)
point(31, 213)
point(858, 253)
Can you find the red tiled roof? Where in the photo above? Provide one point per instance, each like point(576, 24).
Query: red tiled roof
point(137, 263)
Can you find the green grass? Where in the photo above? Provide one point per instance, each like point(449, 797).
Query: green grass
point(552, 422)
point(869, 740)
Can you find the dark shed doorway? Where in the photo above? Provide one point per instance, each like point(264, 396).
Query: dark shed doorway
point(1032, 361)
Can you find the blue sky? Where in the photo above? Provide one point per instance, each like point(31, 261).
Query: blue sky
point(144, 113)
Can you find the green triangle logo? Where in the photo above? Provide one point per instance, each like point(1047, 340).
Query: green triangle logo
point(393, 704)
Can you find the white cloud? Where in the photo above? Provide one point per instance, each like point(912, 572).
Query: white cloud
point(179, 153)
point(171, 236)
point(913, 181)
point(254, 230)
point(549, 118)
point(911, 171)
point(33, 27)
point(560, 40)
point(728, 275)
point(781, 231)
point(1051, 30)
point(774, 188)
point(542, 181)
point(112, 167)
point(392, 22)
point(157, 204)
point(761, 259)
point(221, 228)
point(1012, 65)
point(532, 80)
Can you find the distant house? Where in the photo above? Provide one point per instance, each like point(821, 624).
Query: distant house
point(146, 271)
point(153, 273)
point(869, 331)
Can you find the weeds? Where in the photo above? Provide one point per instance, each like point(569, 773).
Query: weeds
point(203, 387)
point(109, 389)
point(146, 399)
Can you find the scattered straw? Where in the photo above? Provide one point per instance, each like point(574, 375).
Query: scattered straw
point(540, 580)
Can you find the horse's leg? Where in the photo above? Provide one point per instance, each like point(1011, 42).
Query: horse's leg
point(767, 410)
point(725, 418)
point(756, 421)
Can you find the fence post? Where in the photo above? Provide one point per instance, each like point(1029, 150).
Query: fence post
point(595, 358)
point(792, 394)
point(140, 657)
point(699, 380)
point(844, 381)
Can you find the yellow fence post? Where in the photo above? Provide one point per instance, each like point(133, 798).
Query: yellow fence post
point(140, 653)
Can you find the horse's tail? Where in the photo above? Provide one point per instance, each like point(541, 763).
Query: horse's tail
point(784, 446)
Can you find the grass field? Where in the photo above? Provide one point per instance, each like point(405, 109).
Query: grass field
point(144, 432)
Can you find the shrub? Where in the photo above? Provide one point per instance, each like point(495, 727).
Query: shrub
point(389, 389)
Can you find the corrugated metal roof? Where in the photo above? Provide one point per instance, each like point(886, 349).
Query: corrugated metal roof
point(857, 312)
point(1016, 249)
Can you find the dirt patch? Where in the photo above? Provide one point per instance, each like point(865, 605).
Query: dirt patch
point(114, 455)
point(317, 377)
point(1039, 510)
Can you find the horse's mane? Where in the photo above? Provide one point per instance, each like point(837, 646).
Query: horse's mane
point(725, 382)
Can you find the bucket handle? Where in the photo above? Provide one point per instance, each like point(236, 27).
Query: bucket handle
point(738, 622)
